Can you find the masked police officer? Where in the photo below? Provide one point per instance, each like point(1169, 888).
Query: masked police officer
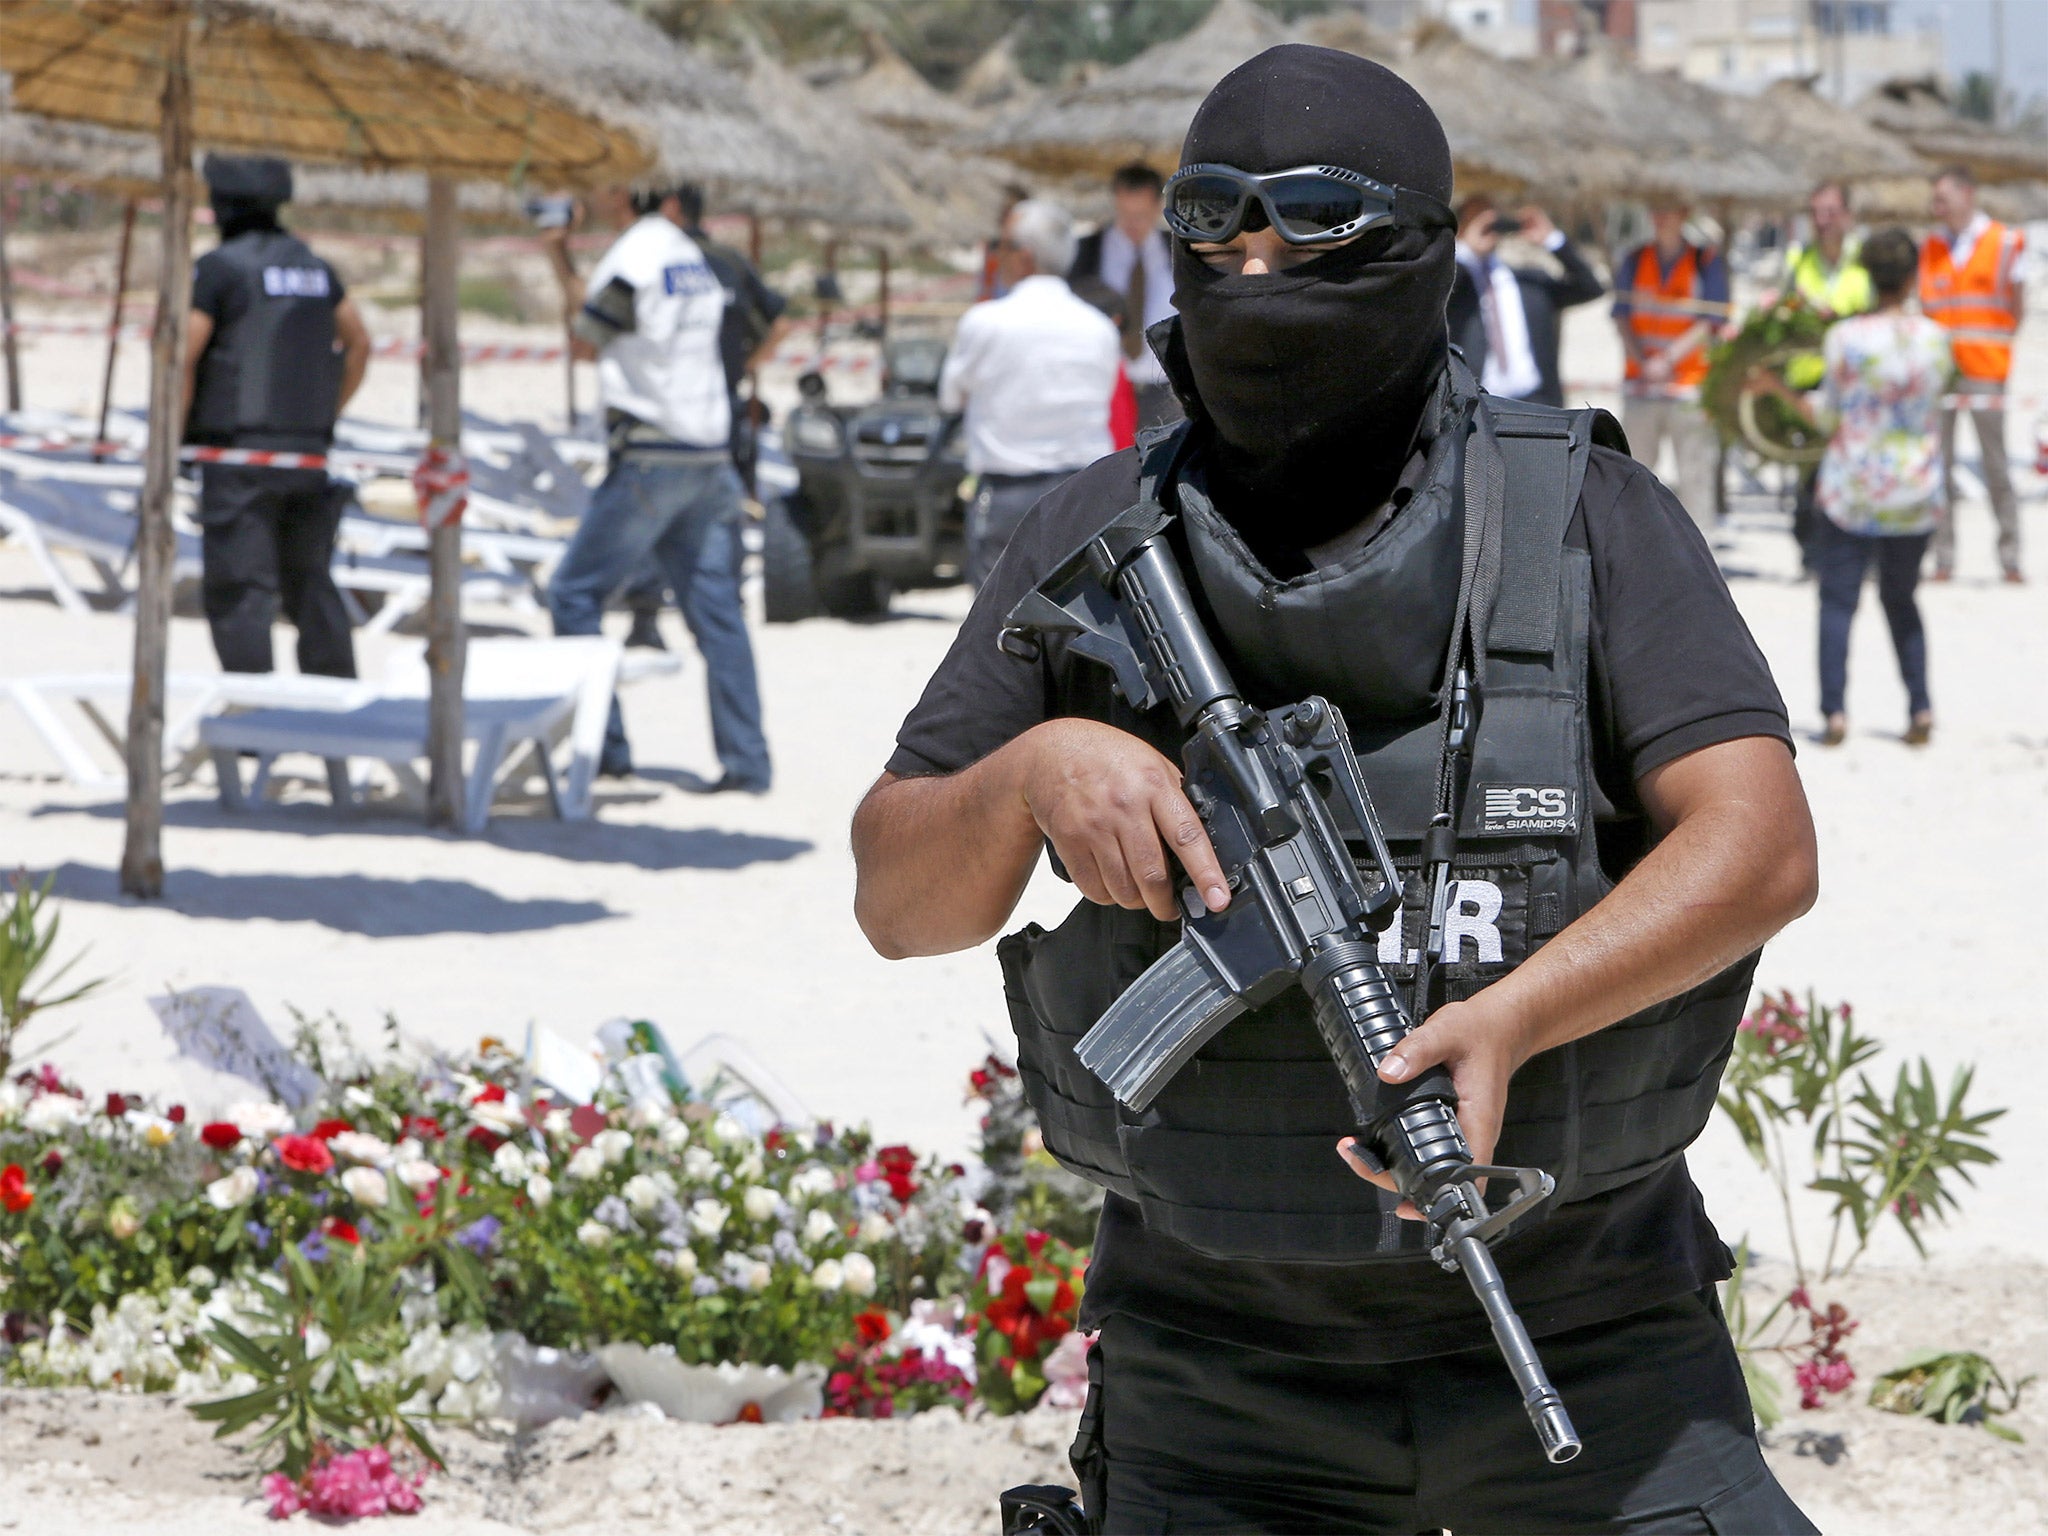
point(276, 350)
point(1276, 1353)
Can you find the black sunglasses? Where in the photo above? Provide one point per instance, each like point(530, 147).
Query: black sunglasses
point(1308, 205)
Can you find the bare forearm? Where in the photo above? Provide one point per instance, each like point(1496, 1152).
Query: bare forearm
point(355, 362)
point(941, 861)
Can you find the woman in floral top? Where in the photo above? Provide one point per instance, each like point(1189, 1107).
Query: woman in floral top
point(1880, 483)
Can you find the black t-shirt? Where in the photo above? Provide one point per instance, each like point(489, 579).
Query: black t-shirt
point(751, 306)
point(220, 293)
point(1673, 669)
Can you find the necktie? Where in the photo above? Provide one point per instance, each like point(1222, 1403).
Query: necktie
point(1134, 303)
point(1489, 312)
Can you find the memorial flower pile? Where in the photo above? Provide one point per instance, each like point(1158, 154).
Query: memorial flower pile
point(335, 1277)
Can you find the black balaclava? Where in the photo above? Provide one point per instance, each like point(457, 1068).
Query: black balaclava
point(246, 191)
point(1315, 378)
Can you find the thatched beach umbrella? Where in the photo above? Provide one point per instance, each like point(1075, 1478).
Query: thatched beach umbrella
point(1824, 142)
point(1919, 113)
point(891, 92)
point(346, 81)
point(1138, 111)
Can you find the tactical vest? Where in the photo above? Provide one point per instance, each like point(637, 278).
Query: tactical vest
point(270, 376)
point(1236, 1156)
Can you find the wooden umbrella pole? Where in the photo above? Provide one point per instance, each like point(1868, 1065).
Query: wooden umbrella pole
point(142, 865)
point(882, 274)
point(439, 300)
point(8, 348)
point(114, 321)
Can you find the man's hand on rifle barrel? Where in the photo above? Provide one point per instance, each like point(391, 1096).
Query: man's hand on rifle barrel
point(1113, 809)
point(1482, 1043)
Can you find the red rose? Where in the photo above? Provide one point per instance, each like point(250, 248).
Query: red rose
point(485, 1138)
point(424, 1127)
point(341, 1231)
point(175, 1114)
point(52, 1161)
point(14, 1191)
point(873, 1325)
point(585, 1121)
point(304, 1154)
point(117, 1106)
point(327, 1130)
point(490, 1093)
point(1034, 1243)
point(220, 1134)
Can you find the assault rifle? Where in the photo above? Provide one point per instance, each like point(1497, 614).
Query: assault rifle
point(1272, 788)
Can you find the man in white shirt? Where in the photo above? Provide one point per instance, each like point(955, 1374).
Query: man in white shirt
point(650, 315)
point(1034, 371)
point(1130, 257)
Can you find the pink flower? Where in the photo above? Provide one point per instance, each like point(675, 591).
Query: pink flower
point(285, 1497)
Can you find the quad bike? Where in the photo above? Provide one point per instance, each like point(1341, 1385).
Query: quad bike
point(877, 507)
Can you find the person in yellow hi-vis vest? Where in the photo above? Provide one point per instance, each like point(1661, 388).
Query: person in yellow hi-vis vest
point(1970, 284)
point(1826, 272)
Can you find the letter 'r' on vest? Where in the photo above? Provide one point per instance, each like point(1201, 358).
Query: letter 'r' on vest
point(1976, 303)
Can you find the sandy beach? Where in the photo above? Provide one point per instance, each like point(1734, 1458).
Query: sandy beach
point(733, 914)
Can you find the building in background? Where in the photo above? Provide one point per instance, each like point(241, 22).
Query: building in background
point(1848, 47)
point(1504, 27)
point(1567, 28)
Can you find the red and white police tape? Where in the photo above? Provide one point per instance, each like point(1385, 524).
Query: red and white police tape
point(441, 482)
point(32, 443)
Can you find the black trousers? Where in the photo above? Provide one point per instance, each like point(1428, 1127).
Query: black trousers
point(267, 537)
point(1182, 1434)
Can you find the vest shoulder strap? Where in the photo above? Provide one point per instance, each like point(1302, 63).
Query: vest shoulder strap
point(1543, 452)
point(1158, 448)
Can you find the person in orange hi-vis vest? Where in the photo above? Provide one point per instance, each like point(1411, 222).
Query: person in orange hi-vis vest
point(1970, 284)
point(1670, 296)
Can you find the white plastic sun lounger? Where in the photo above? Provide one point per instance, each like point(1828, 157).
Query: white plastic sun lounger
point(95, 521)
point(524, 699)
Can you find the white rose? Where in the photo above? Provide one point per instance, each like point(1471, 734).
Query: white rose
point(749, 1167)
point(12, 1097)
point(540, 1191)
point(501, 1115)
point(758, 1274)
point(122, 1224)
point(509, 1163)
point(359, 1148)
point(366, 1186)
point(585, 1163)
point(708, 1218)
point(416, 1173)
point(819, 1227)
point(860, 1275)
point(556, 1123)
point(674, 1135)
point(874, 1228)
point(200, 1278)
point(814, 1182)
point(233, 1189)
point(358, 1097)
point(684, 1262)
point(698, 1165)
point(642, 1193)
point(49, 1113)
point(728, 1130)
point(759, 1203)
point(650, 1114)
point(593, 1234)
point(613, 1146)
point(665, 1180)
point(828, 1276)
point(259, 1119)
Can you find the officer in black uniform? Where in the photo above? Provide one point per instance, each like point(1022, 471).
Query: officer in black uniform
point(1276, 1353)
point(276, 349)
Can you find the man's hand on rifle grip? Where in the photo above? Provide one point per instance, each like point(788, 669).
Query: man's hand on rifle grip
point(1113, 809)
point(1480, 1042)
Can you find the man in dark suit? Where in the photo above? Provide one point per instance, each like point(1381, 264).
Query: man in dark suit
point(1130, 256)
point(1506, 319)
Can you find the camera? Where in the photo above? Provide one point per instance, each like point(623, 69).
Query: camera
point(553, 212)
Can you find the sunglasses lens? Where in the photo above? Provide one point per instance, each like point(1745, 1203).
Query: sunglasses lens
point(1314, 205)
point(1207, 206)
